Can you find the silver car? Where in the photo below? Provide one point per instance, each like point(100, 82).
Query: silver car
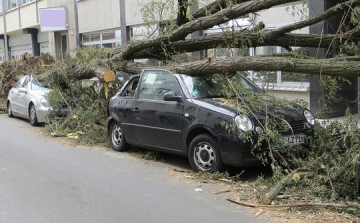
point(27, 100)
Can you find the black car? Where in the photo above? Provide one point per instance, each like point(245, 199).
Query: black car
point(192, 116)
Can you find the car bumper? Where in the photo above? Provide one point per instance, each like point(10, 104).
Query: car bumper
point(237, 152)
point(241, 153)
point(46, 114)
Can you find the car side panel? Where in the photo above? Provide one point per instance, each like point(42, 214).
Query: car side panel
point(121, 111)
point(13, 98)
point(158, 123)
point(23, 103)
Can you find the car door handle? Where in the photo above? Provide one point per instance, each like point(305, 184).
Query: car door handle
point(135, 110)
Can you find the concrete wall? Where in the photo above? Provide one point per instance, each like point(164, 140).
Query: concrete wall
point(25, 16)
point(99, 15)
point(133, 10)
point(291, 95)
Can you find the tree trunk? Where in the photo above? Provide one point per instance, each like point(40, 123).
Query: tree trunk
point(278, 188)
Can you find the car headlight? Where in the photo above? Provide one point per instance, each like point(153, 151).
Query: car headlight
point(244, 123)
point(45, 102)
point(309, 117)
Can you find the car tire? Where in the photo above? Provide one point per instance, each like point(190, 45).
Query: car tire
point(117, 138)
point(32, 115)
point(204, 154)
point(9, 111)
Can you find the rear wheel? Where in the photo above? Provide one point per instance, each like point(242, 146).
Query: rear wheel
point(9, 110)
point(117, 138)
point(204, 154)
point(32, 115)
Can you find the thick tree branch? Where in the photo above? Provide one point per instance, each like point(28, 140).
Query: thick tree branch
point(182, 12)
point(311, 21)
point(317, 205)
point(198, 24)
point(241, 39)
point(215, 7)
point(308, 66)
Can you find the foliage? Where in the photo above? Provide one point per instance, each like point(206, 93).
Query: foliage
point(87, 115)
point(85, 100)
point(327, 161)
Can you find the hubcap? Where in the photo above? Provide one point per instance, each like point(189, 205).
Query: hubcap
point(117, 136)
point(32, 113)
point(204, 156)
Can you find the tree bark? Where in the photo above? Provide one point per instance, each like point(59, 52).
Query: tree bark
point(317, 205)
point(278, 188)
point(339, 67)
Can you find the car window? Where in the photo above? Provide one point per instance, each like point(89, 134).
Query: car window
point(36, 85)
point(129, 91)
point(217, 85)
point(26, 82)
point(242, 82)
point(207, 86)
point(20, 82)
point(155, 83)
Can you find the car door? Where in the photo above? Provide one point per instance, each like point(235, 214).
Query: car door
point(157, 122)
point(14, 95)
point(122, 109)
point(23, 101)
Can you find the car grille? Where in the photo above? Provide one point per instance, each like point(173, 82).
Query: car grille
point(295, 126)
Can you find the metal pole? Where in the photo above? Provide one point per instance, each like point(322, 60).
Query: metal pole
point(76, 24)
point(123, 22)
point(5, 34)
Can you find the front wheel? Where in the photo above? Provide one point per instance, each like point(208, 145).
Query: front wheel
point(32, 116)
point(117, 138)
point(204, 154)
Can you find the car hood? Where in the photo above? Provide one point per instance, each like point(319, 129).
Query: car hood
point(41, 93)
point(232, 106)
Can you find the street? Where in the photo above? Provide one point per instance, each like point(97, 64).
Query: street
point(42, 180)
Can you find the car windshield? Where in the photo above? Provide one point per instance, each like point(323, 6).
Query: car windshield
point(36, 85)
point(217, 85)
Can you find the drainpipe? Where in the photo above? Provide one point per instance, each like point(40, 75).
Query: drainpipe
point(123, 22)
point(6, 47)
point(76, 24)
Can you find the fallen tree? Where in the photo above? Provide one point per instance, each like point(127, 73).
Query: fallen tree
point(174, 41)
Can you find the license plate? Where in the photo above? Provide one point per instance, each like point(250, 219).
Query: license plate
point(294, 139)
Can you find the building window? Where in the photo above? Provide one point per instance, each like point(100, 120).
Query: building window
point(86, 38)
point(109, 39)
point(108, 35)
point(23, 2)
point(11, 4)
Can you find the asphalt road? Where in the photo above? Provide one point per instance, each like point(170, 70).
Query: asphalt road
point(46, 181)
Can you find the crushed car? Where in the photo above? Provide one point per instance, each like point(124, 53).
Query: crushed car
point(27, 99)
point(197, 117)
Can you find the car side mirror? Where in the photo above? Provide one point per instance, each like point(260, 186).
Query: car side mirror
point(22, 90)
point(170, 96)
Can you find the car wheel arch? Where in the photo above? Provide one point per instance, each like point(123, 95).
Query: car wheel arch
point(198, 131)
point(109, 123)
